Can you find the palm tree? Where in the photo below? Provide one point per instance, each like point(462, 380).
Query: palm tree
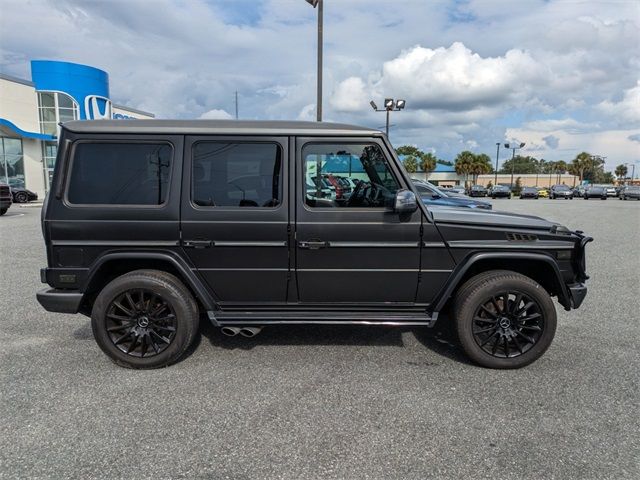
point(581, 164)
point(481, 164)
point(428, 162)
point(464, 161)
point(621, 171)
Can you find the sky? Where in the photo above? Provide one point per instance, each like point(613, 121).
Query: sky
point(560, 75)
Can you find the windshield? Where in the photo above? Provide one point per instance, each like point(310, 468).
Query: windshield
point(562, 187)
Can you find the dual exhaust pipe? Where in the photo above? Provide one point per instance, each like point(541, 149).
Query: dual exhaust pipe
point(248, 332)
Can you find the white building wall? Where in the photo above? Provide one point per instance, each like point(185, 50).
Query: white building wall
point(19, 105)
point(33, 167)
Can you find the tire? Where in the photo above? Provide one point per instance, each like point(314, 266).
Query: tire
point(505, 353)
point(21, 197)
point(3, 211)
point(142, 337)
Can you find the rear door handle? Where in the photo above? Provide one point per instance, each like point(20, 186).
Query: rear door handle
point(313, 244)
point(197, 243)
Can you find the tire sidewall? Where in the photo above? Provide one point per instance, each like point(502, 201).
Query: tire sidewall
point(184, 308)
point(467, 306)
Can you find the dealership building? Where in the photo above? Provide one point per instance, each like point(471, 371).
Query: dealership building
point(32, 109)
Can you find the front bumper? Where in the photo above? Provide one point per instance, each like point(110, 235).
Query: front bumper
point(577, 292)
point(59, 301)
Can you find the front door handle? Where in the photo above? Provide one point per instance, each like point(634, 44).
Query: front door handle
point(313, 244)
point(197, 243)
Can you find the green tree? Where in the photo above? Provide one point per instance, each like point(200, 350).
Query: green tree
point(409, 150)
point(520, 164)
point(580, 165)
point(463, 165)
point(411, 164)
point(428, 162)
point(518, 186)
point(621, 171)
point(481, 164)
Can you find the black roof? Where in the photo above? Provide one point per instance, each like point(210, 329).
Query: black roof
point(223, 127)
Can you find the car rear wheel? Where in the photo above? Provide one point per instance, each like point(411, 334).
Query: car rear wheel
point(504, 319)
point(145, 319)
point(22, 197)
point(3, 211)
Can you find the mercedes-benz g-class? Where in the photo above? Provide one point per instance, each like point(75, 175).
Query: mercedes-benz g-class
point(152, 223)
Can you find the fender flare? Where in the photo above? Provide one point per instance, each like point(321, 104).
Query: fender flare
point(456, 277)
point(193, 280)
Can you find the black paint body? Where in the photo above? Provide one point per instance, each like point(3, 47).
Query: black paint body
point(289, 264)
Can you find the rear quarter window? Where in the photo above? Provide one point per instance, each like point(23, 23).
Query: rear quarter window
point(112, 173)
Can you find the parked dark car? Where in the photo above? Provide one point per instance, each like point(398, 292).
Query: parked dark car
point(152, 224)
point(5, 198)
point(529, 192)
point(595, 191)
point(630, 191)
point(432, 195)
point(500, 191)
point(477, 191)
point(560, 191)
point(22, 195)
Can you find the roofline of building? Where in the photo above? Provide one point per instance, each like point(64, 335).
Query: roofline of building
point(11, 78)
point(134, 110)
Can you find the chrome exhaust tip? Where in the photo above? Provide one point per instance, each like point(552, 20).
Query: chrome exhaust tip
point(230, 331)
point(250, 331)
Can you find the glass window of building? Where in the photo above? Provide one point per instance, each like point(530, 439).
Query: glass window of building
point(11, 162)
point(55, 107)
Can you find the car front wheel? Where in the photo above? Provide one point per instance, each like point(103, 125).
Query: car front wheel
point(3, 211)
point(504, 319)
point(145, 319)
point(21, 197)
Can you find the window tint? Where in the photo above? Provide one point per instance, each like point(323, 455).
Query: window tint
point(237, 174)
point(120, 174)
point(347, 176)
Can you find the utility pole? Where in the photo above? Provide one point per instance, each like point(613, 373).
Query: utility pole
point(495, 181)
point(513, 158)
point(236, 104)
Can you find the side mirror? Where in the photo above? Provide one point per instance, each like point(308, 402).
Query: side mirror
point(405, 202)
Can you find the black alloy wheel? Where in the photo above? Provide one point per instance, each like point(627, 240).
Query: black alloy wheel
point(141, 323)
point(507, 324)
point(22, 197)
point(504, 319)
point(145, 319)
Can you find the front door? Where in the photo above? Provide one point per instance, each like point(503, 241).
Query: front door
point(350, 247)
point(235, 216)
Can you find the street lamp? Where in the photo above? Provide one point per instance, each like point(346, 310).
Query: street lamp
point(319, 4)
point(495, 180)
point(390, 105)
point(513, 157)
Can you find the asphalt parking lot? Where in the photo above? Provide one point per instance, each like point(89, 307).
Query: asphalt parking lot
point(330, 402)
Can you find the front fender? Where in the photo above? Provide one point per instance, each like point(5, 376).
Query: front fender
point(463, 267)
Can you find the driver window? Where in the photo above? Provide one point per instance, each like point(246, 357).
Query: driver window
point(347, 176)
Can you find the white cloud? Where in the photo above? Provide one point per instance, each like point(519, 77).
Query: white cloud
point(350, 95)
point(626, 110)
point(215, 114)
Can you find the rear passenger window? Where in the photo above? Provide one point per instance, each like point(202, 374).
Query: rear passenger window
point(120, 174)
point(236, 174)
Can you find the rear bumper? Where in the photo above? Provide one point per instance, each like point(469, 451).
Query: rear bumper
point(59, 301)
point(577, 292)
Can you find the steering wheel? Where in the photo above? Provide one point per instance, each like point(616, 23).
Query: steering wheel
point(357, 192)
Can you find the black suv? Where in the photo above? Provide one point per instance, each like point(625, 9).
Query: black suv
point(151, 224)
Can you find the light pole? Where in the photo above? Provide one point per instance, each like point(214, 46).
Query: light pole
point(319, 5)
point(538, 170)
point(513, 157)
point(495, 180)
point(390, 105)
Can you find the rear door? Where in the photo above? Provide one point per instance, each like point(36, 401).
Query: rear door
point(353, 249)
point(235, 218)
